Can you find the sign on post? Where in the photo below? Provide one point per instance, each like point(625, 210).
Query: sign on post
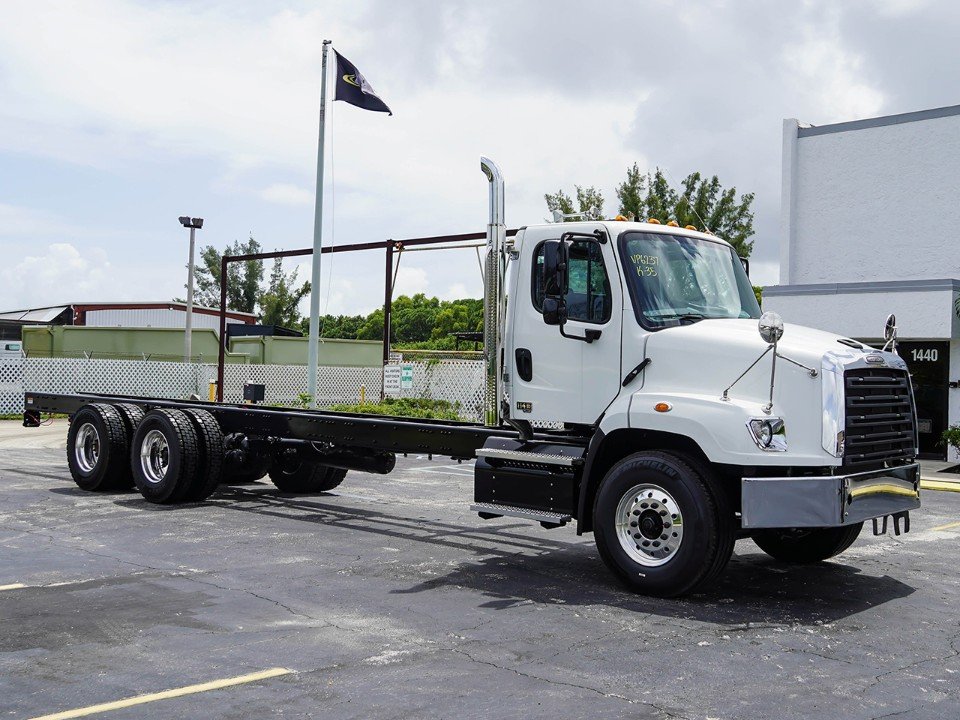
point(391, 380)
point(406, 377)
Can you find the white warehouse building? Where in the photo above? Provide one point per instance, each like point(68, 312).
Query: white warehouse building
point(868, 217)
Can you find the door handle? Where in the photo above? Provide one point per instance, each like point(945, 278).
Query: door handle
point(524, 364)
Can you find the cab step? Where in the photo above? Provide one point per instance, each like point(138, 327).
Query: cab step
point(544, 517)
point(524, 456)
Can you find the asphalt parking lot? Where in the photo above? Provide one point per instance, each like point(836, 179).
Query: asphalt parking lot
point(388, 598)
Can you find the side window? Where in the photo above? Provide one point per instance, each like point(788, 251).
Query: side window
point(588, 295)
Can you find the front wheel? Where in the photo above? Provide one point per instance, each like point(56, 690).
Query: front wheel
point(661, 526)
point(806, 545)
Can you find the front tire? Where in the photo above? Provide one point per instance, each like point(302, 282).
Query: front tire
point(661, 526)
point(806, 545)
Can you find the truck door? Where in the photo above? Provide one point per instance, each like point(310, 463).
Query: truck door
point(563, 379)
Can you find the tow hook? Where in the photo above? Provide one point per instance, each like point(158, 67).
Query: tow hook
point(881, 529)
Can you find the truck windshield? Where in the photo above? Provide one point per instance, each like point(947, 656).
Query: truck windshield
point(676, 280)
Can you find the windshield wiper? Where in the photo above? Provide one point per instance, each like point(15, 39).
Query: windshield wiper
point(688, 316)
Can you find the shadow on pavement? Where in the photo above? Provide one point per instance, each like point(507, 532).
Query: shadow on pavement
point(520, 567)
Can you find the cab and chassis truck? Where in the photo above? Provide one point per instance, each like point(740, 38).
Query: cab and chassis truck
point(631, 386)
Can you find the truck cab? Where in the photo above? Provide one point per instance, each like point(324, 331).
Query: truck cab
point(685, 418)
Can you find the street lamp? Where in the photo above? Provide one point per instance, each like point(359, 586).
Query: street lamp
point(194, 224)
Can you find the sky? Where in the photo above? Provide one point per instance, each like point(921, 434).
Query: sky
point(116, 117)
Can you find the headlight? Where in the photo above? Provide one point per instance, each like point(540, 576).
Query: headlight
point(768, 433)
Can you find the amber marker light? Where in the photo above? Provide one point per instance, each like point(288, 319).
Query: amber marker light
point(653, 221)
point(673, 223)
point(663, 407)
point(689, 227)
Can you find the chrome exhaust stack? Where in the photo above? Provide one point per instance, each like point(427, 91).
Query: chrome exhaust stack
point(492, 293)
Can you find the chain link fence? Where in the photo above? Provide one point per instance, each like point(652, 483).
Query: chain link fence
point(11, 385)
point(458, 381)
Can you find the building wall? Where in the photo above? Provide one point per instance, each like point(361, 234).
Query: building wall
point(167, 344)
point(867, 214)
point(293, 351)
point(120, 343)
point(924, 309)
point(871, 200)
point(158, 318)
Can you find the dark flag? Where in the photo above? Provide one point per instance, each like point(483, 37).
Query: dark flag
point(352, 87)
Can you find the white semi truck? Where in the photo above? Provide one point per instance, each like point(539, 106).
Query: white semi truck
point(632, 386)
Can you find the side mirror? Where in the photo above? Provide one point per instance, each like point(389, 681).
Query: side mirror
point(554, 280)
point(746, 265)
point(553, 311)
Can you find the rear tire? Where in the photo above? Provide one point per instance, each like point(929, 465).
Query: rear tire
point(806, 545)
point(131, 415)
point(97, 449)
point(305, 477)
point(661, 526)
point(210, 462)
point(165, 456)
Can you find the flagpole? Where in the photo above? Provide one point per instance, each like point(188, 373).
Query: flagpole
point(314, 340)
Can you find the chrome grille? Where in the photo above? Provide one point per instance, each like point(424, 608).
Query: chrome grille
point(879, 416)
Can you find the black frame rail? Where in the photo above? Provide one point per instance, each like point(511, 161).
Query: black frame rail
point(379, 433)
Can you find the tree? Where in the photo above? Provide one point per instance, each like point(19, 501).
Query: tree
point(698, 201)
point(589, 202)
point(243, 279)
point(280, 302)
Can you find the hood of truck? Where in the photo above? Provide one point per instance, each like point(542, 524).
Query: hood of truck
point(708, 356)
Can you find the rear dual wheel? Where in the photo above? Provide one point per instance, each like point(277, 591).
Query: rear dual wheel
point(97, 445)
point(177, 455)
point(170, 455)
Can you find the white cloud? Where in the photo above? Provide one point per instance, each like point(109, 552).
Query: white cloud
point(410, 281)
point(287, 194)
point(60, 274)
point(455, 292)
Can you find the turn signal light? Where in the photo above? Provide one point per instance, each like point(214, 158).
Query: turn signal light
point(663, 407)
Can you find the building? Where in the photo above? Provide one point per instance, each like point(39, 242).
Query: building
point(868, 211)
point(117, 314)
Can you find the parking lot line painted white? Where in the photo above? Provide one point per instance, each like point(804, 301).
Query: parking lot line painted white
point(167, 694)
point(946, 527)
point(12, 586)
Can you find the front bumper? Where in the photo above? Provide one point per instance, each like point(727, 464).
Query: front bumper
point(829, 501)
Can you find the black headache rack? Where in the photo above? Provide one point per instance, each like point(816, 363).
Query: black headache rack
point(380, 433)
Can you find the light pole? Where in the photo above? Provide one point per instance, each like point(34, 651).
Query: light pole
point(194, 224)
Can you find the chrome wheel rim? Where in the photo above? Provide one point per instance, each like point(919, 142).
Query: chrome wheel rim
point(649, 525)
point(86, 447)
point(154, 456)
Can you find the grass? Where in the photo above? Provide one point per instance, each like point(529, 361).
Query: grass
point(19, 416)
point(406, 407)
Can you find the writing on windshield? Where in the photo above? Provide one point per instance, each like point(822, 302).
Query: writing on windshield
point(674, 279)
